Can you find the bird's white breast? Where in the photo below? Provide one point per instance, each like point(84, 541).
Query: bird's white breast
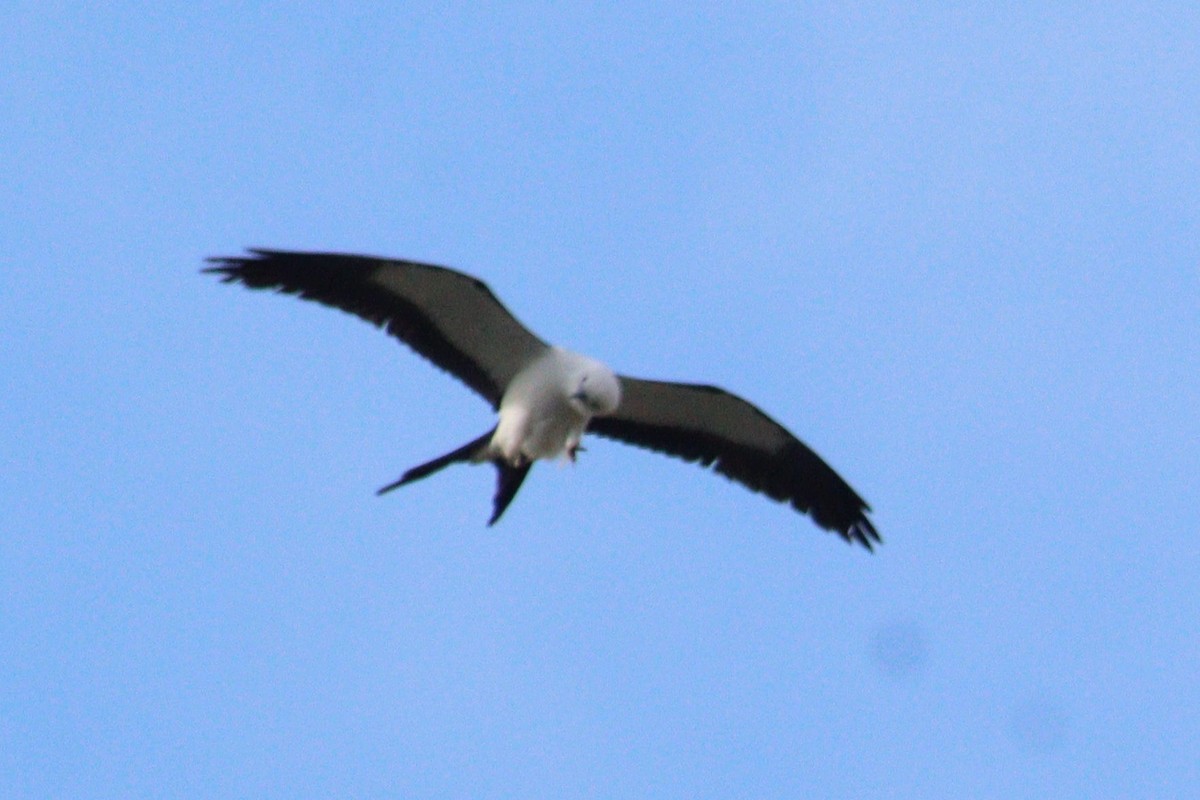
point(537, 416)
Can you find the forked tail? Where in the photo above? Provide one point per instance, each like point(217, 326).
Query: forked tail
point(508, 481)
point(508, 477)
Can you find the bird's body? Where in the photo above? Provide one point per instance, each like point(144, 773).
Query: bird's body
point(547, 397)
point(548, 405)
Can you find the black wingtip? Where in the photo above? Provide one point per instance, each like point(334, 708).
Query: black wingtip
point(227, 272)
point(863, 532)
point(231, 268)
point(841, 511)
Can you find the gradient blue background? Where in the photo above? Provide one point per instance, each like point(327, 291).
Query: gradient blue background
point(953, 246)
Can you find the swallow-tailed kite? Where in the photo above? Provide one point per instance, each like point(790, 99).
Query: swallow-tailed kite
point(548, 397)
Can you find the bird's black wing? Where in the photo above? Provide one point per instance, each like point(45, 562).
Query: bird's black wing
point(448, 317)
point(709, 425)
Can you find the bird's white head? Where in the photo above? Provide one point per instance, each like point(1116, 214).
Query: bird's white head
point(594, 389)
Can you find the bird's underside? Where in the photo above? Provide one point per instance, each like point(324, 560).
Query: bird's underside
point(547, 397)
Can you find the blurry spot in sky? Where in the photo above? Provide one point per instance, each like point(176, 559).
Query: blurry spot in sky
point(900, 649)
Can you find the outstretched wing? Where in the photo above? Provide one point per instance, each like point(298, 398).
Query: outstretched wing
point(715, 428)
point(448, 317)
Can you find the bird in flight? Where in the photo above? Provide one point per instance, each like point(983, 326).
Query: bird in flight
point(548, 397)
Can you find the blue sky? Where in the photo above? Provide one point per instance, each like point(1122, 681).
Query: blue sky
point(953, 247)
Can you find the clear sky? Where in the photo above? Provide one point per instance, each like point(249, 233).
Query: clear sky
point(954, 247)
